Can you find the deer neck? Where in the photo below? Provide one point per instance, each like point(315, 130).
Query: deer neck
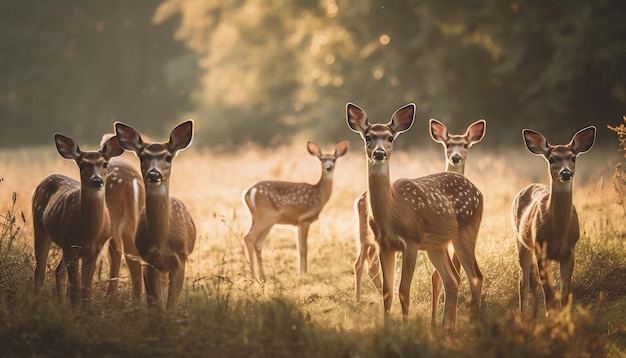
point(560, 205)
point(460, 169)
point(158, 212)
point(93, 212)
point(380, 195)
point(325, 186)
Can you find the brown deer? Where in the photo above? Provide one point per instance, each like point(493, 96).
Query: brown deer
point(166, 233)
point(426, 213)
point(545, 220)
point(74, 216)
point(298, 204)
point(456, 147)
point(125, 199)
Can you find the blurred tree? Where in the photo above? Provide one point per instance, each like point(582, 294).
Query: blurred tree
point(76, 66)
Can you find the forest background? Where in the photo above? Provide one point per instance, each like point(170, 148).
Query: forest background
point(275, 72)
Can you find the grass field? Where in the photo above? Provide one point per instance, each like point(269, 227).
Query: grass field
point(225, 312)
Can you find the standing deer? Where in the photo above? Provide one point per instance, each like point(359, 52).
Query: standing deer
point(545, 219)
point(166, 233)
point(125, 198)
point(73, 215)
point(298, 204)
point(411, 214)
point(456, 147)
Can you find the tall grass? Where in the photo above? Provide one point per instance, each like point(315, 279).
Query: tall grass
point(225, 312)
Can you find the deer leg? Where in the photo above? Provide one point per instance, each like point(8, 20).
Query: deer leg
point(42, 250)
point(60, 275)
point(133, 261)
point(254, 243)
point(115, 261)
point(303, 233)
point(388, 263)
point(373, 264)
point(87, 272)
point(358, 271)
point(154, 291)
point(72, 264)
point(545, 275)
point(409, 258)
point(525, 262)
point(450, 277)
point(177, 277)
point(474, 276)
point(566, 268)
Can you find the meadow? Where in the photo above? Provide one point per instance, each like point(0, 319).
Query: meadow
point(225, 312)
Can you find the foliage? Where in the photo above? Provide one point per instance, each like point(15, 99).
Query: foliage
point(621, 134)
point(269, 72)
point(12, 268)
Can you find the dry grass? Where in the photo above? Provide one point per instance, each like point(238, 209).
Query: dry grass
point(211, 185)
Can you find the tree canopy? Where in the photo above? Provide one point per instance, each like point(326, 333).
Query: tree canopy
point(271, 71)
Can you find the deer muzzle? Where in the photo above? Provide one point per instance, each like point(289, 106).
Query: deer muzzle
point(96, 182)
point(379, 154)
point(566, 175)
point(154, 176)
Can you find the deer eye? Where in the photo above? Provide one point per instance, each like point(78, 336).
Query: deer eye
point(105, 164)
point(448, 145)
point(169, 158)
point(573, 159)
point(368, 139)
point(465, 146)
point(390, 139)
point(551, 160)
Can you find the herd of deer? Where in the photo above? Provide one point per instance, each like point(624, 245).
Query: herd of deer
point(439, 213)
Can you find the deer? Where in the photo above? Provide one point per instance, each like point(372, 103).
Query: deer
point(545, 221)
point(456, 147)
point(125, 198)
point(166, 233)
point(408, 215)
point(73, 215)
point(288, 203)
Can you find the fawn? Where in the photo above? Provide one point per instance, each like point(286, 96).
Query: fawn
point(426, 213)
point(73, 215)
point(545, 220)
point(166, 233)
point(298, 204)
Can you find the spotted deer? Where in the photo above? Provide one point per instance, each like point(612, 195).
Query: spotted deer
point(545, 219)
point(426, 213)
point(456, 147)
point(73, 215)
point(297, 204)
point(125, 198)
point(166, 233)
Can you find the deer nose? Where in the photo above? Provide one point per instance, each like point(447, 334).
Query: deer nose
point(456, 158)
point(154, 176)
point(328, 167)
point(96, 182)
point(379, 154)
point(565, 175)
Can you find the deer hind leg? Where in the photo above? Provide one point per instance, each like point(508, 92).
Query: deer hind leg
point(475, 278)
point(133, 261)
point(358, 271)
point(254, 242)
point(437, 286)
point(115, 260)
point(373, 264)
point(60, 276)
point(526, 263)
point(450, 277)
point(303, 233)
point(42, 250)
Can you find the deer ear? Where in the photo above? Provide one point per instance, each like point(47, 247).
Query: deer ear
point(535, 142)
point(357, 118)
point(67, 147)
point(583, 140)
point(402, 119)
point(181, 136)
point(438, 131)
point(476, 132)
point(341, 148)
point(128, 138)
point(111, 148)
point(314, 149)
